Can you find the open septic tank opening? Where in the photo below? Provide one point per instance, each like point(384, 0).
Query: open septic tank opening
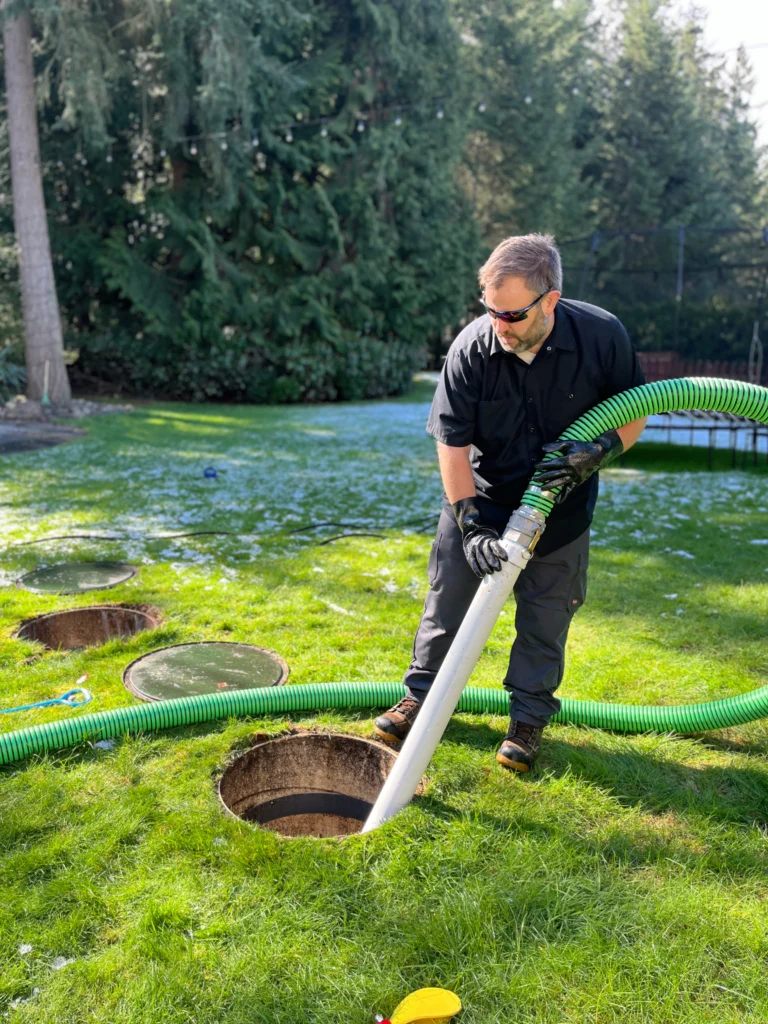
point(307, 784)
point(86, 627)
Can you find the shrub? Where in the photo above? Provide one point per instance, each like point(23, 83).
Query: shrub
point(246, 369)
point(13, 376)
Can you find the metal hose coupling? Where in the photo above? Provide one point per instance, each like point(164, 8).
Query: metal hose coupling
point(524, 528)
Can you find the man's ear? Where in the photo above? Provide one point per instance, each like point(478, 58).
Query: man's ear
point(549, 302)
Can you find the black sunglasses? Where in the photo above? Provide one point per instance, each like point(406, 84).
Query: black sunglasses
point(512, 316)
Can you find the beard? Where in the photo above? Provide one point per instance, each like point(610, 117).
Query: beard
point(537, 331)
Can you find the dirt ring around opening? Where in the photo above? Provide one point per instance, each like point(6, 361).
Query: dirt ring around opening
point(307, 783)
point(75, 628)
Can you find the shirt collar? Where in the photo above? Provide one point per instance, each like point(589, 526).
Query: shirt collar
point(561, 336)
point(562, 332)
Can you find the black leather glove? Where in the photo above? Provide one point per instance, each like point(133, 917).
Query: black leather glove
point(482, 548)
point(578, 461)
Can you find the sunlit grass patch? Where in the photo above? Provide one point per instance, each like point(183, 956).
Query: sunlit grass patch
point(624, 881)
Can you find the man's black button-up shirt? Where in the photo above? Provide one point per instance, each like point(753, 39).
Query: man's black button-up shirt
point(507, 408)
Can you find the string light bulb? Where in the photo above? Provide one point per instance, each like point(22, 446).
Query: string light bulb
point(361, 125)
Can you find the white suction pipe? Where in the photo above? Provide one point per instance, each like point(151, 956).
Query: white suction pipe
point(519, 539)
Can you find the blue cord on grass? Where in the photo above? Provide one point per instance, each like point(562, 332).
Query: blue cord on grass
point(65, 698)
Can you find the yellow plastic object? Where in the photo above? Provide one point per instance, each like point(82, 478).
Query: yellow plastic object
point(426, 1006)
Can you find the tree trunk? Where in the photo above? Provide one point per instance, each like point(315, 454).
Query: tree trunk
point(42, 322)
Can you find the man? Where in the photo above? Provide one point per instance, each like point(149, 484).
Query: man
point(514, 379)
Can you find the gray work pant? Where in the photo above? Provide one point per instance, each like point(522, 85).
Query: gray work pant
point(548, 592)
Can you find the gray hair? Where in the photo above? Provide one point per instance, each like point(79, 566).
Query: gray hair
point(535, 258)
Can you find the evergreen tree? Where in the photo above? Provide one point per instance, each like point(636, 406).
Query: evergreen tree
point(735, 163)
point(254, 200)
point(533, 63)
point(265, 204)
point(677, 146)
point(677, 151)
point(648, 168)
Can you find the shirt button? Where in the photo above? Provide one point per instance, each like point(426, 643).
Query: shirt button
point(531, 430)
point(530, 400)
point(549, 348)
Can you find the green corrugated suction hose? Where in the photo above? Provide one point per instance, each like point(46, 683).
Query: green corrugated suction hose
point(664, 396)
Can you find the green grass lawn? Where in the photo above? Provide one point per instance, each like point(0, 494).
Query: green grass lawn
point(625, 880)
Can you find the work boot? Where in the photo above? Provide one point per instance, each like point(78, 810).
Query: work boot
point(395, 724)
point(520, 746)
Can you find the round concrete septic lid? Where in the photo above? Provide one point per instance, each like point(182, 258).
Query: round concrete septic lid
point(76, 577)
point(213, 666)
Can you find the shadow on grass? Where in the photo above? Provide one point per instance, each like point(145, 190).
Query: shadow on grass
point(651, 780)
point(631, 848)
point(659, 784)
point(726, 745)
point(678, 458)
point(654, 783)
point(219, 422)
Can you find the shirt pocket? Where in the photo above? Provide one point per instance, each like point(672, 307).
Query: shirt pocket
point(564, 405)
point(496, 425)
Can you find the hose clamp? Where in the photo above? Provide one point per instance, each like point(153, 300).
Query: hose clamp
point(542, 492)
